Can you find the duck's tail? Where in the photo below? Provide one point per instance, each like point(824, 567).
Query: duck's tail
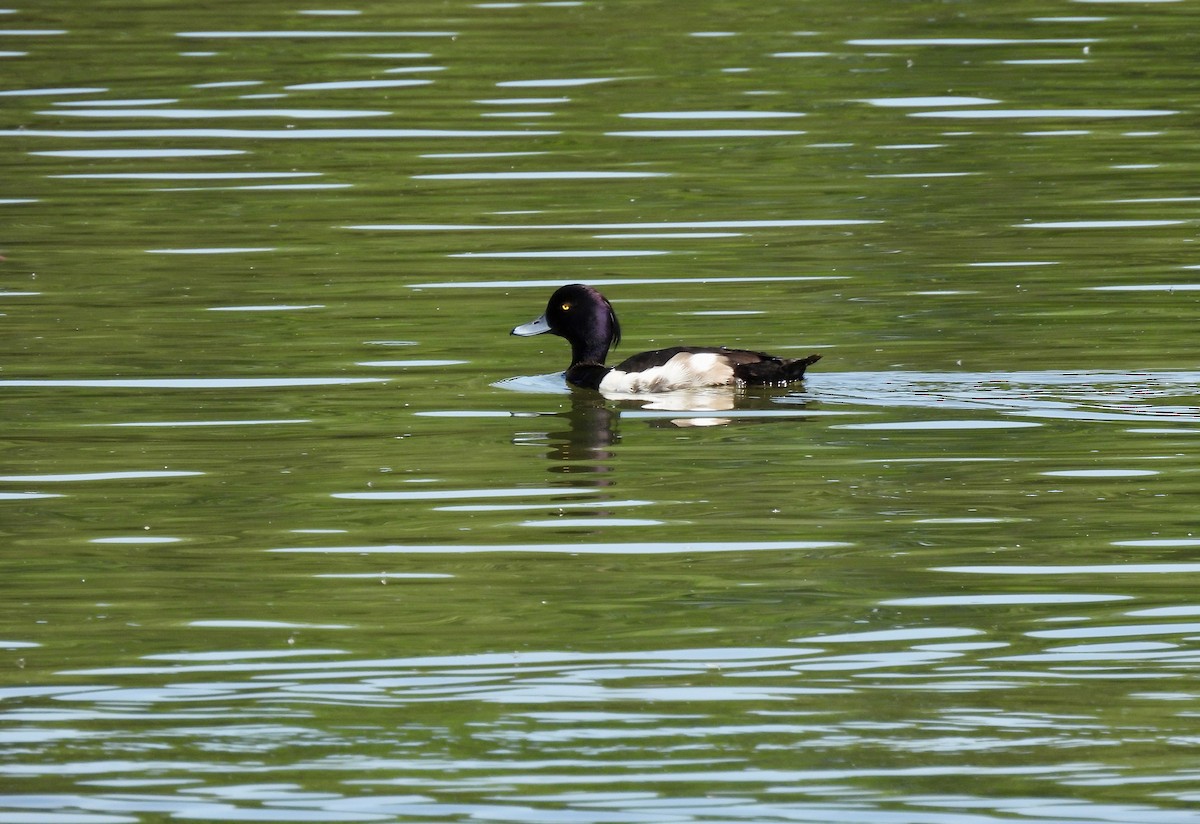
point(774, 370)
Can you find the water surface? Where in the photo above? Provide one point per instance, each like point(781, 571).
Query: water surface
point(293, 529)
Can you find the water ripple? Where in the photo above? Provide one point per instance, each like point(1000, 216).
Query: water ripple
point(938, 425)
point(122, 102)
point(455, 494)
point(522, 101)
point(260, 187)
point(590, 523)
point(1100, 473)
point(564, 253)
point(1049, 61)
point(186, 383)
point(1099, 224)
point(269, 307)
point(181, 424)
point(1004, 599)
point(554, 83)
point(210, 114)
point(411, 55)
point(593, 227)
point(706, 133)
point(182, 175)
point(1165, 568)
point(135, 154)
point(571, 175)
point(931, 100)
point(964, 114)
point(73, 477)
point(410, 363)
point(228, 250)
point(1069, 395)
point(51, 92)
point(1135, 630)
point(712, 115)
point(227, 84)
point(541, 284)
point(607, 504)
point(890, 635)
point(968, 41)
point(302, 35)
point(621, 548)
point(277, 134)
point(1146, 287)
point(331, 85)
point(136, 540)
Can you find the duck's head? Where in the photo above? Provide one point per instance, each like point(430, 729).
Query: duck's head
point(581, 315)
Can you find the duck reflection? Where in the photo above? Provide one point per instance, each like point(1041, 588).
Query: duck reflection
point(591, 429)
point(593, 420)
point(710, 399)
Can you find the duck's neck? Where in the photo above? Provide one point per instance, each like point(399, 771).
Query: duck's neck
point(587, 367)
point(584, 352)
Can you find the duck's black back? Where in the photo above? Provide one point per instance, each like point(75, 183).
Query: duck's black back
point(657, 357)
point(748, 366)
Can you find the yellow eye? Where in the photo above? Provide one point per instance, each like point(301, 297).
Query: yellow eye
point(566, 307)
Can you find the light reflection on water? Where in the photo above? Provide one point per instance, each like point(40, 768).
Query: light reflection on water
point(624, 548)
point(292, 34)
point(139, 153)
point(187, 383)
point(711, 134)
point(277, 134)
point(693, 224)
point(1056, 114)
point(217, 114)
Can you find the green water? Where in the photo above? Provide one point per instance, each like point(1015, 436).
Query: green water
point(292, 529)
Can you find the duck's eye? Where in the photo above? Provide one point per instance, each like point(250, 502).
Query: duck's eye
point(566, 307)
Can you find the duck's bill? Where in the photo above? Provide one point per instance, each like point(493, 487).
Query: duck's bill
point(534, 327)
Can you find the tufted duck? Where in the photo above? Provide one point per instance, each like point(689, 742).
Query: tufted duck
point(586, 319)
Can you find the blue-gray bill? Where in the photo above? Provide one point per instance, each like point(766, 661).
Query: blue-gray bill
point(534, 327)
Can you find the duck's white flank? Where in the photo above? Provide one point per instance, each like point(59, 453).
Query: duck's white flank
point(683, 371)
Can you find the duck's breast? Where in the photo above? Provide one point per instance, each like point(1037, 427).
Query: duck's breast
point(665, 370)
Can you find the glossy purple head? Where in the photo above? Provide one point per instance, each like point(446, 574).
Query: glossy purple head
point(581, 315)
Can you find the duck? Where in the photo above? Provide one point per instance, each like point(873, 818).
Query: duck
point(588, 321)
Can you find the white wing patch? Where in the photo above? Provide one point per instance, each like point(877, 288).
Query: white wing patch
point(684, 371)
